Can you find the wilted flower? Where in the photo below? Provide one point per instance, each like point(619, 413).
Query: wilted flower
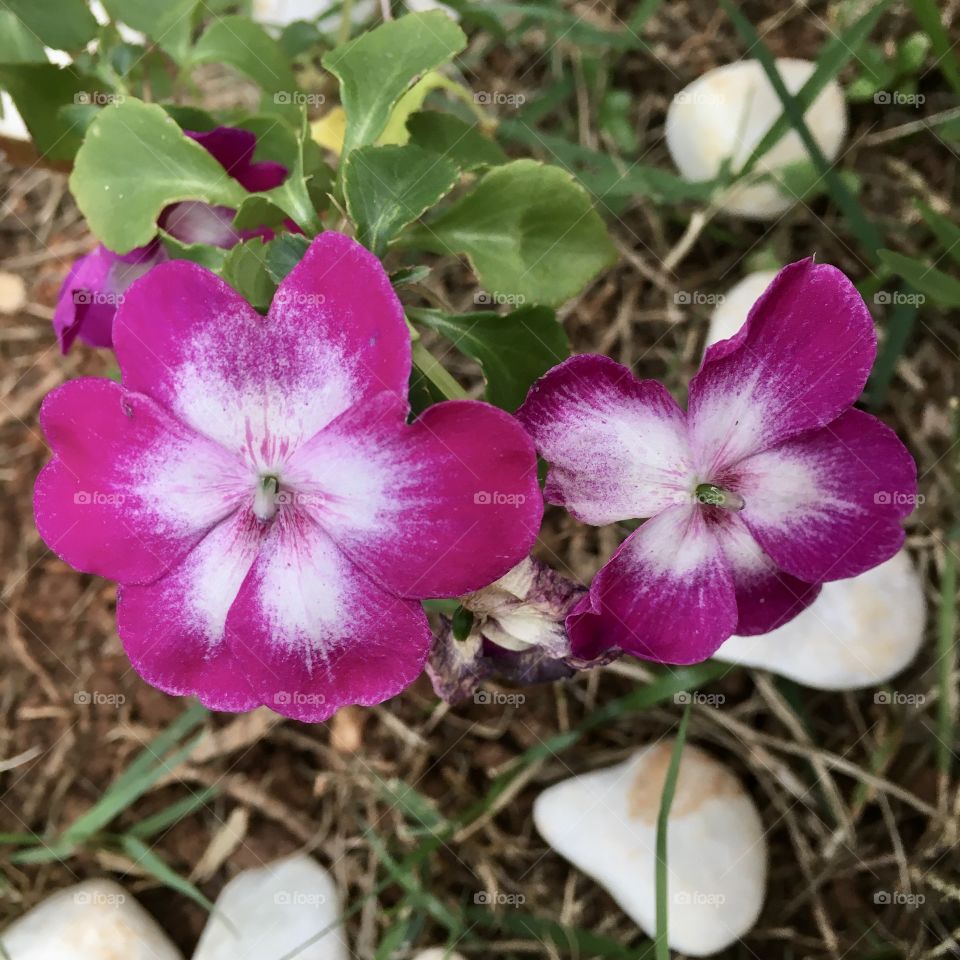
point(96, 282)
point(769, 485)
point(512, 629)
point(256, 490)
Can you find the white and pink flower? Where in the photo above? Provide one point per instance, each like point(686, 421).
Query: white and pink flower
point(256, 490)
point(769, 485)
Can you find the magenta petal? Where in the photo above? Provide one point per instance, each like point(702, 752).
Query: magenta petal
point(616, 445)
point(173, 629)
point(233, 149)
point(340, 295)
point(767, 597)
point(313, 633)
point(666, 595)
point(827, 505)
point(799, 361)
point(335, 334)
point(129, 490)
point(436, 508)
point(92, 290)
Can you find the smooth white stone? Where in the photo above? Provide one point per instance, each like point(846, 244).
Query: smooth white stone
point(280, 13)
point(726, 112)
point(605, 823)
point(94, 920)
point(731, 313)
point(438, 953)
point(858, 633)
point(274, 910)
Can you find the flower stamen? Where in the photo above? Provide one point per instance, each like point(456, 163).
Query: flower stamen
point(714, 496)
point(265, 499)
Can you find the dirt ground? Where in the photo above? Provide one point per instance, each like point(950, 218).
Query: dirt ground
point(848, 789)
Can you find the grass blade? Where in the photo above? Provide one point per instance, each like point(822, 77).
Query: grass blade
point(840, 193)
point(662, 950)
point(167, 817)
point(928, 16)
point(898, 332)
point(138, 851)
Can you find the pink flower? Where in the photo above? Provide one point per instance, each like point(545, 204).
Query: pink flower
point(768, 486)
point(253, 485)
point(96, 282)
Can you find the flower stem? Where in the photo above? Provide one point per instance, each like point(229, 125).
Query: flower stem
point(436, 373)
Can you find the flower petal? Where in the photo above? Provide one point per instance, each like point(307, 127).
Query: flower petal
point(233, 148)
point(436, 508)
point(88, 299)
point(335, 334)
point(616, 445)
point(828, 504)
point(799, 361)
point(173, 629)
point(767, 597)
point(129, 489)
point(666, 595)
point(313, 633)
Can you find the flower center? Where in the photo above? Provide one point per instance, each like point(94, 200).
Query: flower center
point(265, 498)
point(715, 496)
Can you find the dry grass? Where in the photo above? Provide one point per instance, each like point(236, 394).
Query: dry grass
point(848, 789)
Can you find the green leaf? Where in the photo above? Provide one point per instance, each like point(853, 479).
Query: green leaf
point(927, 13)
point(135, 159)
point(387, 188)
point(62, 24)
point(167, 22)
point(460, 142)
point(934, 283)
point(661, 947)
point(39, 90)
point(139, 852)
point(166, 818)
point(944, 229)
point(248, 48)
point(17, 43)
point(245, 269)
point(203, 253)
point(376, 68)
point(529, 231)
point(513, 350)
point(911, 53)
point(284, 253)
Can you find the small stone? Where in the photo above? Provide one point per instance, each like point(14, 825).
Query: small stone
point(605, 823)
point(438, 953)
point(858, 633)
point(274, 910)
point(13, 292)
point(731, 313)
point(94, 920)
point(723, 115)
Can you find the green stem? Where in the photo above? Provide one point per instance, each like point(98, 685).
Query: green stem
point(436, 373)
point(343, 34)
point(661, 948)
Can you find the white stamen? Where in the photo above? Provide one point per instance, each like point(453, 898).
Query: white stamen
point(265, 499)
